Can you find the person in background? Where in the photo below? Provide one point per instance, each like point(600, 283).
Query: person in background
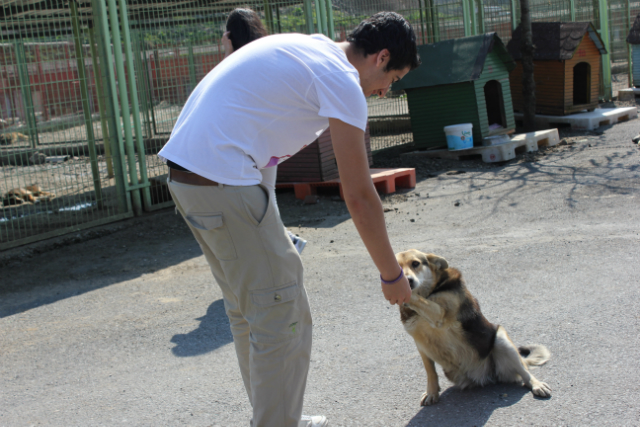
point(257, 108)
point(244, 26)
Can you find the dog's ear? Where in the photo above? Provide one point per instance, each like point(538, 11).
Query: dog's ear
point(439, 262)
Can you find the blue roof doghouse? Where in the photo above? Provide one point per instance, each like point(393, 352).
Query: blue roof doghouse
point(463, 80)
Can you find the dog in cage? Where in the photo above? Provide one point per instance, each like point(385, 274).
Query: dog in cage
point(12, 137)
point(30, 194)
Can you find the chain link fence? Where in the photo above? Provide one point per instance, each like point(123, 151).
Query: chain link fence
point(91, 89)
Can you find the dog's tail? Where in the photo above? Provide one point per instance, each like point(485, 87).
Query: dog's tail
point(534, 354)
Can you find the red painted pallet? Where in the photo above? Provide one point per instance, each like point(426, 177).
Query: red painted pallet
point(385, 180)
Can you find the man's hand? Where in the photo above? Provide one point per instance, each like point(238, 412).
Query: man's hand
point(397, 293)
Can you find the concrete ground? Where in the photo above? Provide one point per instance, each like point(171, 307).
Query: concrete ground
point(124, 325)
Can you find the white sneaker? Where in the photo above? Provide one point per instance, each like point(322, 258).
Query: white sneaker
point(298, 242)
point(314, 421)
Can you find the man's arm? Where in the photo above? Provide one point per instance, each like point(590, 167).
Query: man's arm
point(365, 207)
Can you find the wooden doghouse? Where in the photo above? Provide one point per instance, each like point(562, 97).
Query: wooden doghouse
point(634, 40)
point(567, 67)
point(463, 80)
point(316, 162)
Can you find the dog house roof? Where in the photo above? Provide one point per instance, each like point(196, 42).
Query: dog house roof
point(634, 32)
point(555, 40)
point(454, 61)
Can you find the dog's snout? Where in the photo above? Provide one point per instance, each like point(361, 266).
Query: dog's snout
point(412, 282)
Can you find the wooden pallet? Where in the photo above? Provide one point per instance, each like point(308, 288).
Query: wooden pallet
point(385, 180)
point(497, 153)
point(589, 120)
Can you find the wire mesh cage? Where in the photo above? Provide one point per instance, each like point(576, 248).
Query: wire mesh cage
point(57, 169)
point(90, 89)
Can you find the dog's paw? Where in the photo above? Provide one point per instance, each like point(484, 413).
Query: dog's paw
point(429, 399)
point(541, 389)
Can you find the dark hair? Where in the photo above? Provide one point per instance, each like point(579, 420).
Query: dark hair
point(244, 26)
point(387, 30)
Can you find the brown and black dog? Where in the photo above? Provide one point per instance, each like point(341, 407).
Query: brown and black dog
point(28, 195)
point(448, 327)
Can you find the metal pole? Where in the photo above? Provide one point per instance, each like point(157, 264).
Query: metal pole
point(25, 90)
point(466, 18)
point(481, 12)
point(308, 15)
point(124, 105)
point(572, 7)
point(112, 112)
point(420, 5)
point(268, 16)
point(629, 56)
point(330, 25)
point(514, 20)
point(192, 68)
point(142, 79)
point(606, 58)
point(134, 102)
point(318, 16)
point(101, 107)
point(86, 109)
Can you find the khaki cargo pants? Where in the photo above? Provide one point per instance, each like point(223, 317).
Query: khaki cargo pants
point(260, 274)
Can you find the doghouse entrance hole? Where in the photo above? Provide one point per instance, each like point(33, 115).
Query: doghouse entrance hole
point(623, 118)
point(470, 157)
point(521, 150)
point(581, 83)
point(543, 143)
point(495, 104)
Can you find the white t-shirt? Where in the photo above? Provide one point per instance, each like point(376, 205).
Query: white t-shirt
point(262, 105)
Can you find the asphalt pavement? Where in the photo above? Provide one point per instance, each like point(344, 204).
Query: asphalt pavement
point(127, 327)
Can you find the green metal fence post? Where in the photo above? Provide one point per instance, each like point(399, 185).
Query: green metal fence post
point(420, 6)
point(514, 19)
point(101, 102)
point(318, 16)
point(142, 77)
point(606, 58)
point(330, 23)
point(466, 18)
point(308, 16)
point(629, 56)
point(268, 16)
point(192, 68)
point(25, 90)
point(572, 7)
point(144, 185)
point(323, 16)
point(481, 18)
point(124, 106)
point(86, 109)
point(112, 112)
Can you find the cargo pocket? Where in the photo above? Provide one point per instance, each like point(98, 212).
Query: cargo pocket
point(276, 315)
point(215, 233)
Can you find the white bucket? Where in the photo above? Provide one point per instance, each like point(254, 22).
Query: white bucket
point(459, 137)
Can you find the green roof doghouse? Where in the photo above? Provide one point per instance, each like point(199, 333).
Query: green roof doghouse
point(464, 80)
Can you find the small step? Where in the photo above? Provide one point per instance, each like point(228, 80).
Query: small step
point(520, 143)
point(385, 180)
point(588, 120)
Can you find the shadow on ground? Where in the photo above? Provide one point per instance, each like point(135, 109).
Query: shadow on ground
point(62, 268)
point(469, 408)
point(212, 333)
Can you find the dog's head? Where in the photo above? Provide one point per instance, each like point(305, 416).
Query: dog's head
point(422, 270)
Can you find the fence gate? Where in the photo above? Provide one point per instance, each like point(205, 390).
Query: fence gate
point(60, 164)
